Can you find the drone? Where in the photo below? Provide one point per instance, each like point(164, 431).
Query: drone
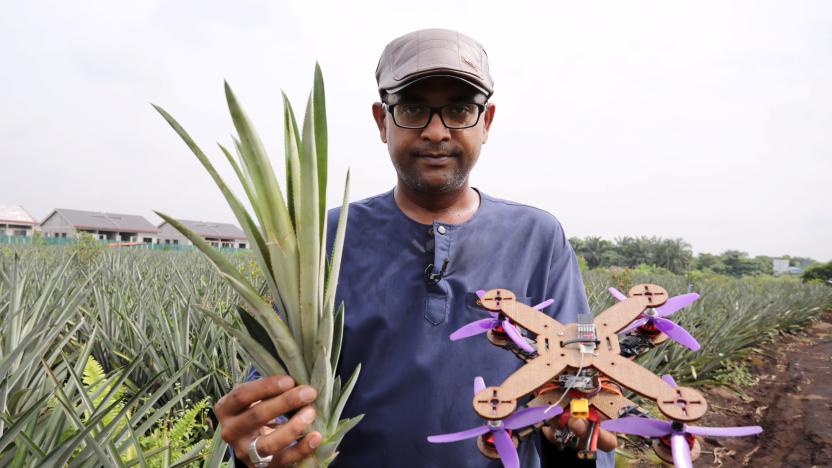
point(581, 370)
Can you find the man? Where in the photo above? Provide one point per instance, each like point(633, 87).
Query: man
point(412, 261)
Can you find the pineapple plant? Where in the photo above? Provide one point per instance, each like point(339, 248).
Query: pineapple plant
point(294, 327)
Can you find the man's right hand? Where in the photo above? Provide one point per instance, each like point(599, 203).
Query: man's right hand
point(248, 410)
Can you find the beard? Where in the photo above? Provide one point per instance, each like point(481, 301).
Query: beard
point(448, 178)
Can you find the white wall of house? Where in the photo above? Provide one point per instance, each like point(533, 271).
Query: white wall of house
point(17, 230)
point(57, 226)
point(169, 235)
point(122, 236)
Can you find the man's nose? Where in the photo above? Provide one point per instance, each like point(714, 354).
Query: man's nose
point(436, 130)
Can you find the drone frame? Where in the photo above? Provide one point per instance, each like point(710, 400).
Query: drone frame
point(558, 349)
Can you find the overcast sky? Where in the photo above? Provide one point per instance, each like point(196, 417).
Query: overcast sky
point(710, 121)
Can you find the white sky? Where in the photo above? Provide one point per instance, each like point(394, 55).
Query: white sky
point(710, 121)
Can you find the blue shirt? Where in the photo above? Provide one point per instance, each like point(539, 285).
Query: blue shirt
point(414, 381)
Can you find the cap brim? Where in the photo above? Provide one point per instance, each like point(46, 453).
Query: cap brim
point(435, 75)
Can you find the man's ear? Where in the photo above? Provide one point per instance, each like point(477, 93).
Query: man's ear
point(379, 115)
point(488, 118)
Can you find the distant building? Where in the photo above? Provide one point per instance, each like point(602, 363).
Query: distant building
point(216, 234)
point(780, 266)
point(112, 227)
point(795, 270)
point(16, 221)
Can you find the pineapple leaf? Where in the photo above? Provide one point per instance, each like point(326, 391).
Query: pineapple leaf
point(342, 400)
point(309, 238)
point(256, 331)
point(291, 140)
point(322, 382)
point(263, 360)
point(337, 251)
point(321, 145)
point(338, 336)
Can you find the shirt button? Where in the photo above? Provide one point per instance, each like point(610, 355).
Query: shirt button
point(441, 230)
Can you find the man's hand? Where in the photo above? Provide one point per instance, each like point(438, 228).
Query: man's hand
point(607, 440)
point(247, 411)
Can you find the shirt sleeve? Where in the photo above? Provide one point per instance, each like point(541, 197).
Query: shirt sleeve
point(565, 284)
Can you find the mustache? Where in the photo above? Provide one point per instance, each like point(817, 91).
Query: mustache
point(441, 148)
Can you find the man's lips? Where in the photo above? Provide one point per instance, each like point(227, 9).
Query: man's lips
point(434, 155)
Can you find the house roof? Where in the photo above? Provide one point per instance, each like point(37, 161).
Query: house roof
point(105, 221)
point(211, 229)
point(15, 214)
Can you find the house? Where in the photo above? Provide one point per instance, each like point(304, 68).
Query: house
point(216, 234)
point(16, 221)
point(112, 227)
point(780, 266)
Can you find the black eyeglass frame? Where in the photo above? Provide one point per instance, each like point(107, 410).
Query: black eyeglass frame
point(437, 111)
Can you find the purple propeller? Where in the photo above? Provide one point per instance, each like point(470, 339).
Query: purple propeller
point(679, 447)
point(483, 325)
point(499, 429)
point(647, 427)
point(656, 317)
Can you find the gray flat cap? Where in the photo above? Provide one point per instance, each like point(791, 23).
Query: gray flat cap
point(433, 52)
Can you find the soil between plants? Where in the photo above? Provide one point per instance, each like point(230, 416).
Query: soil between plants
point(792, 402)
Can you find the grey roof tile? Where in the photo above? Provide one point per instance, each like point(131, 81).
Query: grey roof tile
point(107, 221)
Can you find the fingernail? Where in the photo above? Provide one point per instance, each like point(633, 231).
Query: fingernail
point(307, 415)
point(307, 394)
point(314, 441)
point(285, 383)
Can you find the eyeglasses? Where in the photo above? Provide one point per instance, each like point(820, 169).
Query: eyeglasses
point(418, 116)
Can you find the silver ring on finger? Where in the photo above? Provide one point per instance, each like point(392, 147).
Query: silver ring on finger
point(255, 458)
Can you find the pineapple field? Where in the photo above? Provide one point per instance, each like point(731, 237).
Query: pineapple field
point(107, 357)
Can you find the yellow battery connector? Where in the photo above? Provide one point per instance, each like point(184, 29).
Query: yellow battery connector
point(579, 407)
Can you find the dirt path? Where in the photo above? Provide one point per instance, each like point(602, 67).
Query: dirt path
point(792, 402)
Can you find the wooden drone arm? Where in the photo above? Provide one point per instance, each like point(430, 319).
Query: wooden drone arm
point(531, 319)
point(499, 402)
point(612, 320)
point(631, 375)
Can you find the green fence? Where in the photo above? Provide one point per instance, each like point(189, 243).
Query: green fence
point(71, 240)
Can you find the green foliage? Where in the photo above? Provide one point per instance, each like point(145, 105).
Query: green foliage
point(39, 239)
point(98, 388)
point(731, 316)
point(736, 374)
point(582, 265)
point(87, 251)
point(91, 363)
point(671, 254)
point(181, 433)
point(135, 315)
point(820, 273)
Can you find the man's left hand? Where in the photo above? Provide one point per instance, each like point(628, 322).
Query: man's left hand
point(607, 440)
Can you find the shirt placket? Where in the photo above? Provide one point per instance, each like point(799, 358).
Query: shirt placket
point(437, 302)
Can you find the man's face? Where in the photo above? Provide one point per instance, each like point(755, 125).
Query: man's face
point(434, 159)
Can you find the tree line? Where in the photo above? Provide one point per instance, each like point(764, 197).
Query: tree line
point(674, 255)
